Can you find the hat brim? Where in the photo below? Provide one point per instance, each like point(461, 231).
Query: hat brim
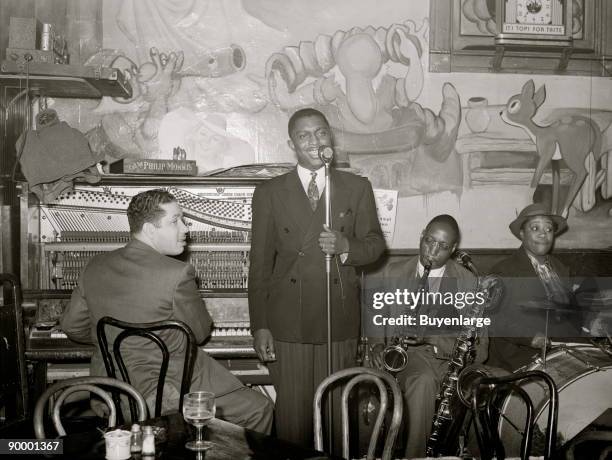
point(517, 224)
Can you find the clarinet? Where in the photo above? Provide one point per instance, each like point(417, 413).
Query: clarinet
point(446, 421)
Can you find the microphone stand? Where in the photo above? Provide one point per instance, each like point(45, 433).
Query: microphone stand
point(328, 263)
point(327, 159)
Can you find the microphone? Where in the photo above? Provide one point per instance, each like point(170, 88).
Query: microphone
point(465, 260)
point(326, 154)
point(463, 257)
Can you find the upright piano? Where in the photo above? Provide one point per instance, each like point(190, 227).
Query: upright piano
point(64, 234)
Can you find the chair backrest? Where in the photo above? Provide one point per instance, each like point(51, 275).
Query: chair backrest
point(13, 383)
point(91, 384)
point(489, 393)
point(151, 332)
point(362, 374)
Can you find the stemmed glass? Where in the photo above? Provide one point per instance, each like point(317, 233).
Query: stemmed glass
point(198, 409)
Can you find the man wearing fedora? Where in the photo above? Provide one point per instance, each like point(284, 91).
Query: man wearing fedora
point(538, 302)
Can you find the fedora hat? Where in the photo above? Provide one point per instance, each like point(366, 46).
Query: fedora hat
point(533, 210)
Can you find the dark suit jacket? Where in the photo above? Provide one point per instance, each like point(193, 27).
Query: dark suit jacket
point(456, 278)
point(287, 292)
point(512, 326)
point(138, 284)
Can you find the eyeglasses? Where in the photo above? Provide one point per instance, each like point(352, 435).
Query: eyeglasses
point(430, 241)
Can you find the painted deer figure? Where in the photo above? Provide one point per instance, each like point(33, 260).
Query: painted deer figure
point(571, 138)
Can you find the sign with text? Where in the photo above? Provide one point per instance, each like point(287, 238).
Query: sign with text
point(386, 206)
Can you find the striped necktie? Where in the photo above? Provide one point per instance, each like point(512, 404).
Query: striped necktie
point(313, 191)
point(553, 285)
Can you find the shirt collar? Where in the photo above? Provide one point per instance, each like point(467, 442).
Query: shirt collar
point(304, 172)
point(535, 261)
point(304, 175)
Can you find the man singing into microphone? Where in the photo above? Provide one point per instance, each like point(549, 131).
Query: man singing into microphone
point(287, 277)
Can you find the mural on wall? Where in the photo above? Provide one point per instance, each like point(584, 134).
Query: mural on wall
point(129, 127)
point(220, 78)
point(146, 127)
point(189, 81)
point(379, 128)
point(528, 150)
point(575, 139)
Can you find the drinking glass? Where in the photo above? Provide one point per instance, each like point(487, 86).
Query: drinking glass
point(198, 409)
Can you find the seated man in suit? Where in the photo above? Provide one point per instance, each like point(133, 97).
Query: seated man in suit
point(139, 283)
point(535, 283)
point(429, 355)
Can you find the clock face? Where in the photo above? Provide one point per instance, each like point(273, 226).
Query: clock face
point(535, 19)
point(534, 11)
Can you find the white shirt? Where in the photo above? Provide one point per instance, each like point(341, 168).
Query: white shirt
point(305, 178)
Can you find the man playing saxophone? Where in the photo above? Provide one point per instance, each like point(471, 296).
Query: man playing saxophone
point(428, 349)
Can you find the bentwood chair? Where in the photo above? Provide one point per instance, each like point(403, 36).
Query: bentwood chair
point(92, 384)
point(381, 380)
point(155, 333)
point(488, 396)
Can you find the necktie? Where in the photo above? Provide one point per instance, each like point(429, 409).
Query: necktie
point(313, 191)
point(424, 280)
point(422, 308)
point(552, 283)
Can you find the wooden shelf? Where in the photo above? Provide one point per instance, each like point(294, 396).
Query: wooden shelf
point(63, 80)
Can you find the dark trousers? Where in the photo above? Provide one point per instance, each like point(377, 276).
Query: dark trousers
point(420, 384)
point(298, 370)
point(247, 408)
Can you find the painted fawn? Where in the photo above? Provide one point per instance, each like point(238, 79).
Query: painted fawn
point(570, 138)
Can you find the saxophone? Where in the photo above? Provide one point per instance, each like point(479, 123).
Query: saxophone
point(449, 411)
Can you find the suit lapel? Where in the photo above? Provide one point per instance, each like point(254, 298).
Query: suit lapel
point(411, 268)
point(524, 265)
point(450, 279)
point(339, 204)
point(296, 202)
point(340, 199)
point(525, 270)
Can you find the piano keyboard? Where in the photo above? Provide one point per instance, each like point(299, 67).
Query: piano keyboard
point(224, 342)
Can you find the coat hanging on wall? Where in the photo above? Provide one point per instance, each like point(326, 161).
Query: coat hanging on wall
point(54, 155)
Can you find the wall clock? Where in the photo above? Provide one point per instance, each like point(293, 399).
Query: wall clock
point(534, 22)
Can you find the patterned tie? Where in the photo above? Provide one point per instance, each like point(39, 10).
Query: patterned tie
point(313, 191)
point(552, 283)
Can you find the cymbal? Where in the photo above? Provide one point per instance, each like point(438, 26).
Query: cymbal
point(600, 299)
point(581, 305)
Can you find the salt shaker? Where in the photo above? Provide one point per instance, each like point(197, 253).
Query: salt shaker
point(136, 443)
point(148, 442)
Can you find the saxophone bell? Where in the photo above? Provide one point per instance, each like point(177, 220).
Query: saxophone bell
point(395, 358)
